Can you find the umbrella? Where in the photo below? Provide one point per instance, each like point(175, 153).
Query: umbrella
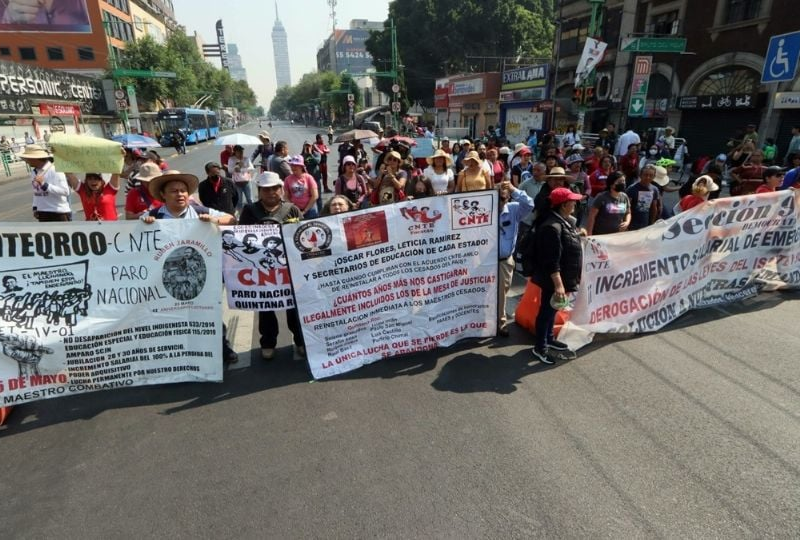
point(408, 141)
point(134, 140)
point(356, 134)
point(241, 139)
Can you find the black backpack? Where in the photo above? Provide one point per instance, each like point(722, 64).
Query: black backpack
point(525, 252)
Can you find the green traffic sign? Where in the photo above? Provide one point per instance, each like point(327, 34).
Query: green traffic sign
point(653, 45)
point(143, 74)
point(636, 107)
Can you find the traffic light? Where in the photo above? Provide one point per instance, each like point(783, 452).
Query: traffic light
point(588, 95)
point(577, 96)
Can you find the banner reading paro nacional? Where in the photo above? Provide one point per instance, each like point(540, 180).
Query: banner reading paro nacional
point(254, 267)
point(716, 253)
point(394, 279)
point(96, 306)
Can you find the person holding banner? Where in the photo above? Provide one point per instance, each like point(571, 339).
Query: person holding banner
point(50, 187)
point(173, 189)
point(338, 204)
point(99, 200)
point(515, 205)
point(645, 199)
point(773, 178)
point(271, 208)
point(611, 209)
point(557, 270)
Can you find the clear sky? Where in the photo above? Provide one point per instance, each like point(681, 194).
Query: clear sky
point(248, 24)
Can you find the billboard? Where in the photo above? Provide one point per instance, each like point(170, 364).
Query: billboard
point(52, 16)
point(351, 53)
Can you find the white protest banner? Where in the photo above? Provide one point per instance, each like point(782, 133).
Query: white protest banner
point(95, 306)
point(254, 268)
point(716, 253)
point(395, 279)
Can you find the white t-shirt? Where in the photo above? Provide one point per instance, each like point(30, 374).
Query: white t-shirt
point(53, 194)
point(439, 181)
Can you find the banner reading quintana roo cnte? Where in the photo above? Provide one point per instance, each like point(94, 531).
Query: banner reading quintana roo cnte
point(395, 279)
point(95, 306)
point(720, 252)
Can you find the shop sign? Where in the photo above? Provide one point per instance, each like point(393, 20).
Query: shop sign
point(527, 77)
point(58, 109)
point(718, 102)
point(466, 87)
point(20, 83)
point(787, 100)
point(440, 98)
point(528, 94)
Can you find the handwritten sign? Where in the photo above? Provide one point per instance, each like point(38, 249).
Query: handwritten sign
point(82, 154)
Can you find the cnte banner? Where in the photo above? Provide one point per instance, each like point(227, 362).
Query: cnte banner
point(95, 306)
point(395, 279)
point(719, 252)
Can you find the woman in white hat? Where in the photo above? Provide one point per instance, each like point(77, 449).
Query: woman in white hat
point(439, 172)
point(473, 177)
point(50, 188)
point(701, 188)
point(138, 200)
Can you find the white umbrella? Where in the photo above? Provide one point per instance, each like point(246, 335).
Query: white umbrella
point(237, 138)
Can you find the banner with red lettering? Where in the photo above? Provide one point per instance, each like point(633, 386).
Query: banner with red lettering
point(98, 306)
point(716, 253)
point(395, 279)
point(254, 268)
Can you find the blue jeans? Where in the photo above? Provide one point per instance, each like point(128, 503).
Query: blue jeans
point(244, 195)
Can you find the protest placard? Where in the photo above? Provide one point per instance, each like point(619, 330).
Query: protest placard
point(395, 279)
point(720, 252)
point(95, 306)
point(84, 153)
point(254, 268)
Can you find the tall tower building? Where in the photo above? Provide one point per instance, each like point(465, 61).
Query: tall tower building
point(238, 72)
point(280, 49)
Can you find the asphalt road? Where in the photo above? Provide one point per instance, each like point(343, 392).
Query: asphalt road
point(690, 432)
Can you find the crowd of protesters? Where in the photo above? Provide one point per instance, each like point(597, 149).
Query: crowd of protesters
point(551, 191)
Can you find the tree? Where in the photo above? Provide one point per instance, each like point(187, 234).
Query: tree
point(436, 37)
point(316, 89)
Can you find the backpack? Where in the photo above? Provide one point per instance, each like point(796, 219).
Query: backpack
point(525, 252)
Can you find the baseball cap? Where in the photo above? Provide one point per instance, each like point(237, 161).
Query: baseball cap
point(268, 179)
point(562, 195)
point(722, 157)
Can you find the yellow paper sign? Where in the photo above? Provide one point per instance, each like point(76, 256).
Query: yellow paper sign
point(85, 153)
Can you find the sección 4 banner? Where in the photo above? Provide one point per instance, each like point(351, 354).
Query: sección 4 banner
point(395, 279)
point(95, 306)
point(720, 252)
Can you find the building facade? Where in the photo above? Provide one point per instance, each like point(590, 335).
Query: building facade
point(472, 102)
point(237, 70)
point(280, 51)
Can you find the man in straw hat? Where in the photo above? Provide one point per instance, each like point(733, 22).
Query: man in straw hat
point(173, 189)
point(138, 201)
point(271, 208)
point(50, 188)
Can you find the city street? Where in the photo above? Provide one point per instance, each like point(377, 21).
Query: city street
point(689, 432)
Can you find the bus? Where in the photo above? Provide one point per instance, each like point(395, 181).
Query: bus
point(197, 124)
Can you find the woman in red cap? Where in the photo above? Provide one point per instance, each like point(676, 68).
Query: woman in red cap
point(557, 270)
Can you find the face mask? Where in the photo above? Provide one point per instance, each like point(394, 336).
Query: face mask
point(619, 186)
point(653, 152)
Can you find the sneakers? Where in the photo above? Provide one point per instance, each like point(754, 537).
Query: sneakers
point(542, 357)
point(502, 331)
point(267, 354)
point(558, 345)
point(299, 352)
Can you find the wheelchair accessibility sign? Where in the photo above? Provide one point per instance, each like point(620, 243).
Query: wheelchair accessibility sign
point(782, 56)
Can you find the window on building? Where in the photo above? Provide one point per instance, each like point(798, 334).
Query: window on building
point(742, 10)
point(665, 23)
point(85, 53)
point(5, 51)
point(573, 35)
point(735, 80)
point(55, 53)
point(27, 53)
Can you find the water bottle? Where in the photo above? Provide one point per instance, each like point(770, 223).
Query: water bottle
point(565, 304)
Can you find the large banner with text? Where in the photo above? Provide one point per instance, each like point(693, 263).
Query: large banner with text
point(395, 279)
point(716, 253)
point(95, 306)
point(254, 268)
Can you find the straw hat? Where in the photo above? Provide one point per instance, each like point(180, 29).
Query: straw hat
point(558, 172)
point(264, 135)
point(148, 171)
point(440, 154)
point(35, 151)
point(157, 183)
point(472, 155)
point(662, 177)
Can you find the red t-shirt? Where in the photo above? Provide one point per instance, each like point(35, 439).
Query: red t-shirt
point(598, 180)
point(629, 164)
point(764, 188)
point(139, 200)
point(690, 201)
point(224, 156)
point(101, 206)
